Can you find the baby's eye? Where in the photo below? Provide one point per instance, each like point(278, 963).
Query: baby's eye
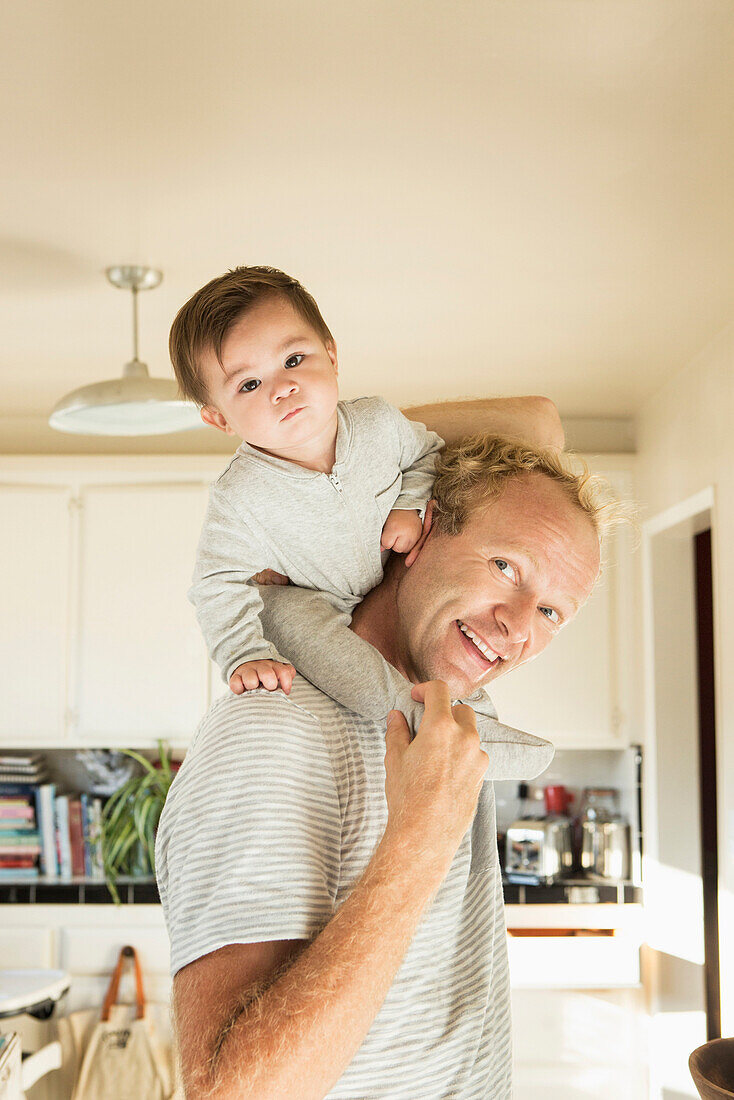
point(293, 361)
point(550, 614)
point(505, 568)
point(250, 385)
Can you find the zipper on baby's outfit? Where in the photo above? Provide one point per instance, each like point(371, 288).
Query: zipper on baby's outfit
point(366, 563)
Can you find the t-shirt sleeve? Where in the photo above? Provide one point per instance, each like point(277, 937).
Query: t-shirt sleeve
point(248, 846)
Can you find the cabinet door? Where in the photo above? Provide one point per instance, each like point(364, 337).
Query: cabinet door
point(35, 556)
point(142, 669)
point(570, 1045)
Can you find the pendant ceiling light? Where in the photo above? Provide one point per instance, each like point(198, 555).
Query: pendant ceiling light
point(134, 404)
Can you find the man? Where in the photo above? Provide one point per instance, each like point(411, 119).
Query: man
point(336, 921)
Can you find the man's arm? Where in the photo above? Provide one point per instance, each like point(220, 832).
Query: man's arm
point(533, 419)
point(249, 1029)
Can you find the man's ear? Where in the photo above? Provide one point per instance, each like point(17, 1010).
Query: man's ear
point(214, 419)
point(427, 525)
point(331, 352)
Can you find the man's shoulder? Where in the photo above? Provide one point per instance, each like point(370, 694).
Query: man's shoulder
point(242, 717)
point(247, 743)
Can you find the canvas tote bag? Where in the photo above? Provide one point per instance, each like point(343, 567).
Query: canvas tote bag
point(124, 1058)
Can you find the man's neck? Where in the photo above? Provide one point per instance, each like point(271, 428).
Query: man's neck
point(375, 619)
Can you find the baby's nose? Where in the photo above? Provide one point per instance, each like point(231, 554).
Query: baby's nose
point(284, 387)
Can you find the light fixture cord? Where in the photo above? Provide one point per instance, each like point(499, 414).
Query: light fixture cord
point(135, 323)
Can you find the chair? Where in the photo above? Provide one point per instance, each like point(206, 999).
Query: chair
point(37, 993)
point(712, 1069)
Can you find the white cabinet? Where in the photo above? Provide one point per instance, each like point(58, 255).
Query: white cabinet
point(142, 669)
point(99, 644)
point(36, 562)
point(577, 1045)
point(582, 691)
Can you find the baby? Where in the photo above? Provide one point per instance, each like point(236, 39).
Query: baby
point(319, 489)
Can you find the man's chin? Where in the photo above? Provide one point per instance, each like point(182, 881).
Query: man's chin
point(460, 685)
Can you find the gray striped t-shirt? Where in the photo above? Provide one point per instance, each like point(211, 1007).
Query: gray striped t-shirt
point(272, 818)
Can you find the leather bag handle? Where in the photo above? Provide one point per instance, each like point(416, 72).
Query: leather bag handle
point(114, 986)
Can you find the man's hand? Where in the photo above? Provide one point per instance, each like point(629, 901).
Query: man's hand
point(402, 530)
point(432, 784)
point(266, 673)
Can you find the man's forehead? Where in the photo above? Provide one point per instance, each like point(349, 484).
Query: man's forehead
point(535, 520)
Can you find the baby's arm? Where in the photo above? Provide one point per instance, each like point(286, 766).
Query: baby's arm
point(417, 450)
point(228, 608)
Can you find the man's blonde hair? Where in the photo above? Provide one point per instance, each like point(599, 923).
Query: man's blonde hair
point(474, 472)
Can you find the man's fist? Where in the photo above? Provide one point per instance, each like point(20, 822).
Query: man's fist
point(402, 530)
point(265, 673)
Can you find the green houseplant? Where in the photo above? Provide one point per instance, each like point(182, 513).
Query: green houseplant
point(130, 819)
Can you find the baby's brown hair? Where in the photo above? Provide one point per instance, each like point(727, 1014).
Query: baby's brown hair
point(203, 322)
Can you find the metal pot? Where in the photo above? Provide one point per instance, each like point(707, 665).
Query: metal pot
point(605, 849)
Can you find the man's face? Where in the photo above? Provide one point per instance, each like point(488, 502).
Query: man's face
point(517, 573)
point(276, 386)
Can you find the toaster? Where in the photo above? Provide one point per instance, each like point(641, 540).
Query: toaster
point(538, 849)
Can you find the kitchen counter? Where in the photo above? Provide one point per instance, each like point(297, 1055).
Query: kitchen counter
point(572, 891)
point(577, 892)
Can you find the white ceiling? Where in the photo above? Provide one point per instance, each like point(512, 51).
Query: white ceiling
point(484, 197)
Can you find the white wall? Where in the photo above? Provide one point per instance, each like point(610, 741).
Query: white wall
point(685, 444)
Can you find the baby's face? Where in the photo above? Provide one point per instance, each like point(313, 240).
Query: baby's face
point(276, 386)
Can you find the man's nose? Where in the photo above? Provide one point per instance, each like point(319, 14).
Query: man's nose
point(516, 619)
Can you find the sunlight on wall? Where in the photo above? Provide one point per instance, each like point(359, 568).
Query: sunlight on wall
point(673, 911)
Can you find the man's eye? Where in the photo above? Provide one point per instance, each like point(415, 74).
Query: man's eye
point(293, 361)
point(550, 614)
point(250, 385)
point(505, 568)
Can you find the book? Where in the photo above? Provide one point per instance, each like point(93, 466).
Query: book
point(10, 808)
point(21, 759)
point(45, 795)
point(18, 874)
point(18, 836)
point(15, 825)
point(95, 840)
point(14, 789)
point(76, 837)
point(63, 840)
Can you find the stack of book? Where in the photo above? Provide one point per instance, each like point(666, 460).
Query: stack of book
point(19, 838)
point(43, 832)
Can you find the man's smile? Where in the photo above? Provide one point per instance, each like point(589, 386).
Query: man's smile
point(476, 646)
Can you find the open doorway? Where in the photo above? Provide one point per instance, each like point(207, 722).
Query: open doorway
point(681, 863)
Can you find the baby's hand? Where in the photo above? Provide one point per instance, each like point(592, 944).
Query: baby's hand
point(266, 673)
point(269, 576)
point(402, 530)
